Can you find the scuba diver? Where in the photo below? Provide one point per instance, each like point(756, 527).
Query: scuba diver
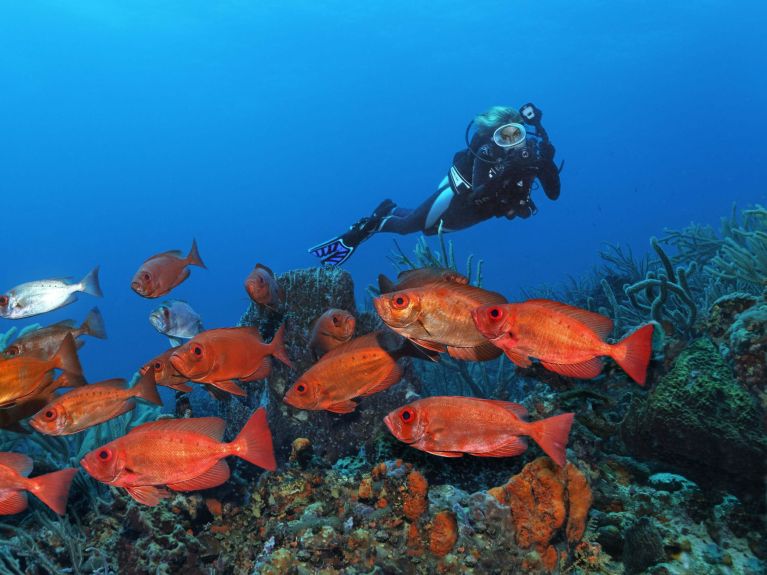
point(492, 177)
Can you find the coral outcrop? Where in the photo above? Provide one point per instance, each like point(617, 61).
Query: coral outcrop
point(701, 420)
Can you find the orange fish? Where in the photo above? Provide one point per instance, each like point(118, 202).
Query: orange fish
point(565, 339)
point(218, 356)
point(330, 330)
point(262, 288)
point(165, 374)
point(437, 316)
point(43, 343)
point(451, 426)
point(23, 377)
point(92, 404)
point(11, 417)
point(358, 368)
point(182, 454)
point(51, 488)
point(162, 272)
point(418, 278)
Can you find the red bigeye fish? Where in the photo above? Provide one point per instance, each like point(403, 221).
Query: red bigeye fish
point(51, 488)
point(92, 404)
point(165, 374)
point(330, 330)
point(451, 426)
point(358, 368)
point(23, 377)
point(182, 454)
point(34, 298)
point(437, 316)
point(565, 339)
point(11, 417)
point(262, 288)
point(43, 343)
point(218, 356)
point(162, 272)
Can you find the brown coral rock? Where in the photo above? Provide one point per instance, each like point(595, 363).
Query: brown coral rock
point(542, 496)
point(414, 500)
point(443, 533)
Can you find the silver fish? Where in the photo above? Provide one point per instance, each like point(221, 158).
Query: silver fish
point(34, 298)
point(177, 320)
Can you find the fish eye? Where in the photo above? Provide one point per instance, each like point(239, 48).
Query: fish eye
point(494, 313)
point(400, 301)
point(105, 454)
point(146, 276)
point(49, 415)
point(3, 300)
point(301, 388)
point(335, 320)
point(197, 350)
point(166, 312)
point(406, 415)
point(157, 366)
point(12, 350)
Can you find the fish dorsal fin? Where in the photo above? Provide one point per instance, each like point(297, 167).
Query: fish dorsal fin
point(213, 477)
point(584, 370)
point(515, 446)
point(601, 325)
point(18, 462)
point(266, 269)
point(368, 340)
point(517, 409)
point(425, 276)
point(213, 427)
point(480, 295)
point(483, 352)
point(173, 253)
point(65, 323)
point(385, 285)
point(116, 383)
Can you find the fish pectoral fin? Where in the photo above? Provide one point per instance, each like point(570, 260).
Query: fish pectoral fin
point(446, 453)
point(15, 502)
point(213, 477)
point(423, 327)
point(515, 446)
point(147, 494)
point(433, 346)
point(519, 359)
point(342, 407)
point(229, 386)
point(483, 352)
point(584, 370)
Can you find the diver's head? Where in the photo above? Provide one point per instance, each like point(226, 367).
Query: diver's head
point(497, 116)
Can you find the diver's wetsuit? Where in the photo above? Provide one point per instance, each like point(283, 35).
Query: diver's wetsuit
point(494, 183)
point(485, 181)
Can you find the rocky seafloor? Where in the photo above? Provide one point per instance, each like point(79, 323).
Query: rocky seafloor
point(667, 479)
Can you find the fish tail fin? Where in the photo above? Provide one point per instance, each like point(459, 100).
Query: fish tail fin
point(254, 443)
point(66, 357)
point(90, 283)
point(633, 353)
point(146, 389)
point(94, 324)
point(278, 348)
point(53, 488)
point(552, 434)
point(194, 259)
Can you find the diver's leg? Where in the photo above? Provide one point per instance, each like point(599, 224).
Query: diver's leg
point(387, 217)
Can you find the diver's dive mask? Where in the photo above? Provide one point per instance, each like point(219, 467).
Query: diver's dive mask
point(510, 135)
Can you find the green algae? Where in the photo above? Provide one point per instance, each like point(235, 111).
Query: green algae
point(699, 417)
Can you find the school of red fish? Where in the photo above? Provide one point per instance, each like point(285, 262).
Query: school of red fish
point(425, 313)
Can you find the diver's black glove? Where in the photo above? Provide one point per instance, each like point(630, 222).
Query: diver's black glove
point(547, 151)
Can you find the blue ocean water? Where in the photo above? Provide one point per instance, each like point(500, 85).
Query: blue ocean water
point(263, 128)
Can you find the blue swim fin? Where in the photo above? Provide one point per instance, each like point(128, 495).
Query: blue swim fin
point(333, 252)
